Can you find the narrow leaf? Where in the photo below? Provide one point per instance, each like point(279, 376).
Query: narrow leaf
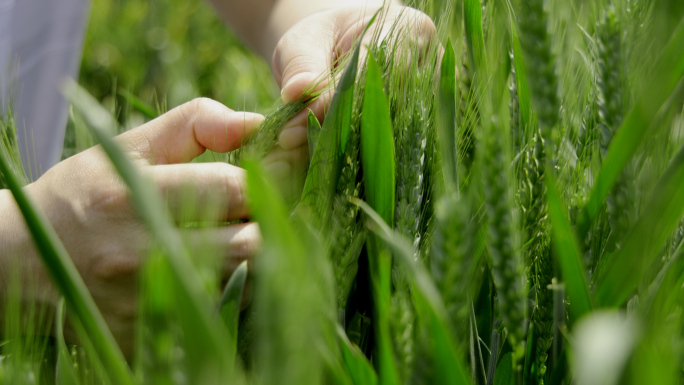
point(377, 145)
point(381, 264)
point(377, 161)
point(667, 73)
point(313, 129)
point(568, 253)
point(446, 117)
point(324, 171)
point(65, 373)
point(229, 307)
point(448, 365)
point(206, 345)
point(504, 371)
point(521, 78)
point(138, 104)
point(474, 34)
point(294, 296)
point(67, 279)
point(659, 218)
point(358, 366)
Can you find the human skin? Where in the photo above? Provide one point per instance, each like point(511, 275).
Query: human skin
point(89, 207)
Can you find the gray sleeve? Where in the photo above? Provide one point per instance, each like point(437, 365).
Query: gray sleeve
point(45, 45)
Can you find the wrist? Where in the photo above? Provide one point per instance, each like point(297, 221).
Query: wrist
point(19, 260)
point(14, 237)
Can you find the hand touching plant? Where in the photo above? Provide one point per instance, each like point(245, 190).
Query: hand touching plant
point(89, 207)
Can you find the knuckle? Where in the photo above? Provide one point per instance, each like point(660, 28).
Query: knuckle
point(110, 269)
point(111, 195)
point(128, 310)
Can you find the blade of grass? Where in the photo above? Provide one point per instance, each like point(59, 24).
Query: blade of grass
point(67, 279)
point(472, 16)
point(667, 73)
point(377, 162)
point(377, 145)
point(293, 286)
point(313, 130)
point(521, 78)
point(65, 374)
point(446, 117)
point(504, 371)
point(386, 366)
point(229, 307)
point(358, 366)
point(660, 216)
point(569, 257)
point(324, 170)
point(449, 367)
point(205, 336)
point(138, 104)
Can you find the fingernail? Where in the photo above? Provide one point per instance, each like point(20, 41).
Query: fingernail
point(251, 117)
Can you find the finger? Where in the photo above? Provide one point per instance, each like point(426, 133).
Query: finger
point(294, 132)
point(303, 60)
point(203, 191)
point(302, 55)
point(185, 132)
point(307, 54)
point(296, 158)
point(287, 169)
point(231, 245)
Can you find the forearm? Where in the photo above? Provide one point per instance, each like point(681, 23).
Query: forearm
point(261, 23)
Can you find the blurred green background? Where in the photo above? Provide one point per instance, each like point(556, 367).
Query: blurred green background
point(167, 52)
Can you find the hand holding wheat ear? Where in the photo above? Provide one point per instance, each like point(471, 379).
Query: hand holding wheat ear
point(307, 51)
point(89, 207)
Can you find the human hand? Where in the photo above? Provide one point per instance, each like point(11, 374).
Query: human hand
point(308, 50)
point(89, 207)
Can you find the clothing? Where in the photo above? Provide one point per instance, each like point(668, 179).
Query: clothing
point(41, 42)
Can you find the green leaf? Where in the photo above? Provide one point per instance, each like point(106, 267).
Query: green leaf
point(67, 279)
point(65, 373)
point(377, 162)
point(472, 13)
point(448, 366)
point(229, 307)
point(569, 256)
point(313, 130)
point(326, 161)
point(659, 218)
point(205, 336)
point(358, 366)
point(138, 104)
point(377, 145)
point(504, 371)
point(668, 72)
point(380, 282)
point(294, 296)
point(446, 117)
point(521, 78)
